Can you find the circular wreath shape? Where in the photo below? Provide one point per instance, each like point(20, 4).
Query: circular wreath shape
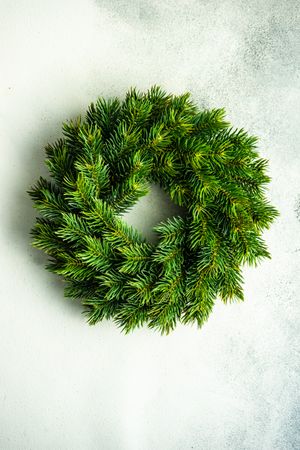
point(105, 163)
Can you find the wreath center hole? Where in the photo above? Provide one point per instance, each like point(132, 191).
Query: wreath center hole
point(150, 210)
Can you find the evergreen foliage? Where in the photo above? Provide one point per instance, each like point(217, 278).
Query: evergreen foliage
point(100, 169)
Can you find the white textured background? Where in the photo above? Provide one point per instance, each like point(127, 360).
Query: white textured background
point(66, 385)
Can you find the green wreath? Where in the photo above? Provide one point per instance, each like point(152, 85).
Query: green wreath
point(100, 169)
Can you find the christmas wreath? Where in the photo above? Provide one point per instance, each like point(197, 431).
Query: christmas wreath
point(102, 166)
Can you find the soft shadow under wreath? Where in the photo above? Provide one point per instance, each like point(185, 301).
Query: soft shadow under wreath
point(105, 163)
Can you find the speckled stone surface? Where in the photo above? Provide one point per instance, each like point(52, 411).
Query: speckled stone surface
point(235, 383)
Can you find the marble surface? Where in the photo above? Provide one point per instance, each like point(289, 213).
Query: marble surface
point(65, 385)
